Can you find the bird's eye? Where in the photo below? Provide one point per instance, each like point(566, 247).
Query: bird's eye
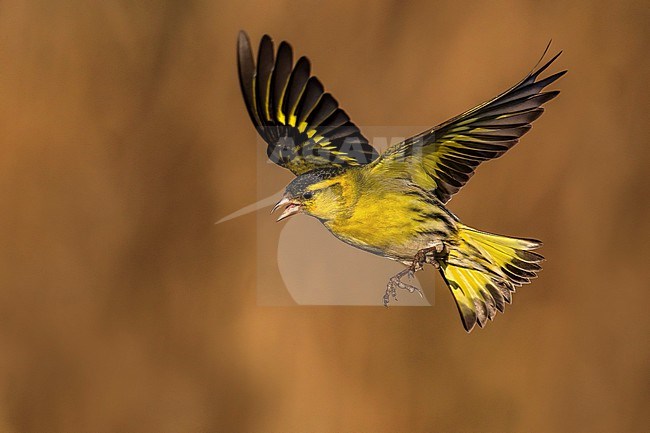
point(307, 195)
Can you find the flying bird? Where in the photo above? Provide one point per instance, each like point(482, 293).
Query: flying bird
point(394, 204)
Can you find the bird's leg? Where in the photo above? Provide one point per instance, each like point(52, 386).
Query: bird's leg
point(395, 282)
point(426, 255)
point(433, 254)
point(429, 255)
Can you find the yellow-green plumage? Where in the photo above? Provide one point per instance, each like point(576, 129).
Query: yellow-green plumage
point(386, 216)
point(393, 205)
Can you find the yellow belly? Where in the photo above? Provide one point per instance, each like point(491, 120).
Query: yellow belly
point(390, 224)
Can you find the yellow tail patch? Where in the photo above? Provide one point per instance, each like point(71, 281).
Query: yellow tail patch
point(483, 271)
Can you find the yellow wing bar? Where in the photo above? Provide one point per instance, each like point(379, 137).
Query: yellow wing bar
point(303, 125)
point(444, 158)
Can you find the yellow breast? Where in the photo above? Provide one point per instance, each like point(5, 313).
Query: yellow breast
point(389, 222)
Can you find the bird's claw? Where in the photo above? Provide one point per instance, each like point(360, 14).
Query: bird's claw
point(390, 292)
point(395, 283)
point(428, 255)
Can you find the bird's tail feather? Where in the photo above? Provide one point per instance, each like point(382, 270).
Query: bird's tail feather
point(484, 269)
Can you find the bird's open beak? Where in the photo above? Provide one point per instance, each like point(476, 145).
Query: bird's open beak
point(292, 208)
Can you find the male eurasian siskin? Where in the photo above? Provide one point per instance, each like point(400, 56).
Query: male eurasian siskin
point(393, 204)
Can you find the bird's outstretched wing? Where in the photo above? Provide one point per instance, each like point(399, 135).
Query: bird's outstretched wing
point(444, 158)
point(302, 124)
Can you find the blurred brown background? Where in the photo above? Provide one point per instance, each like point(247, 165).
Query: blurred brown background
point(123, 138)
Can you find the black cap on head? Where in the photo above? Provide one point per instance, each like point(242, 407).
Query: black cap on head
point(299, 184)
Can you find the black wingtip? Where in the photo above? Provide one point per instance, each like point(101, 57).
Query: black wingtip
point(244, 51)
point(547, 64)
point(537, 70)
point(559, 74)
point(285, 46)
point(550, 41)
point(242, 38)
point(246, 69)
